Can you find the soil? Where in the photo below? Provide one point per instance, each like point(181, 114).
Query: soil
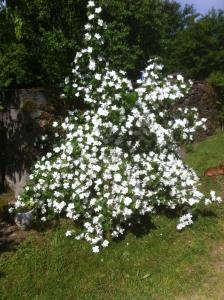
point(10, 236)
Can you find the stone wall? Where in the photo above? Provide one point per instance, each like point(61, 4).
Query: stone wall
point(22, 123)
point(203, 97)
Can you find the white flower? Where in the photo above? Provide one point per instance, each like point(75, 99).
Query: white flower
point(98, 10)
point(89, 49)
point(117, 177)
point(92, 65)
point(180, 78)
point(100, 22)
point(103, 112)
point(184, 221)
point(180, 226)
point(49, 155)
point(90, 17)
point(212, 194)
point(105, 243)
point(219, 199)
point(68, 233)
point(98, 76)
point(11, 210)
point(97, 36)
point(57, 149)
point(88, 26)
point(87, 37)
point(207, 201)
point(96, 249)
point(127, 201)
point(91, 4)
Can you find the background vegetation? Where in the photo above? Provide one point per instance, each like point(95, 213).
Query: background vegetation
point(38, 39)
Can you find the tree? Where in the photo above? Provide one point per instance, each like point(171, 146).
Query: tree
point(39, 38)
point(198, 49)
point(138, 30)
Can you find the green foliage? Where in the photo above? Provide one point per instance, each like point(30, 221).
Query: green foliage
point(198, 49)
point(217, 79)
point(39, 38)
point(14, 67)
point(38, 41)
point(138, 30)
point(129, 99)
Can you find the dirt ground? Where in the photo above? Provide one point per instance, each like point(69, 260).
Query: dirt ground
point(10, 235)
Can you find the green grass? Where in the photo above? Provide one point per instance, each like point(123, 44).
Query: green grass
point(207, 154)
point(160, 264)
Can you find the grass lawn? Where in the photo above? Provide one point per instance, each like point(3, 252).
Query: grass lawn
point(156, 262)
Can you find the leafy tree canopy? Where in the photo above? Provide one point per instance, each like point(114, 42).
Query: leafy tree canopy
point(39, 38)
point(198, 49)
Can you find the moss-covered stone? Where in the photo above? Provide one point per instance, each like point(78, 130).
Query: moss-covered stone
point(29, 106)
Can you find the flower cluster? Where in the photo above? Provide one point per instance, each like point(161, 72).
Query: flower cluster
point(184, 221)
point(120, 158)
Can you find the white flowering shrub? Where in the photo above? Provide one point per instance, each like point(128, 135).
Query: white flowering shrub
point(120, 158)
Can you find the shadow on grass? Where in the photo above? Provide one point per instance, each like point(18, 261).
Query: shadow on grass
point(139, 226)
point(168, 212)
point(42, 227)
point(176, 213)
point(142, 227)
point(205, 213)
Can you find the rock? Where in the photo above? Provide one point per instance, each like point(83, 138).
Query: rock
point(204, 98)
point(23, 220)
point(22, 124)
